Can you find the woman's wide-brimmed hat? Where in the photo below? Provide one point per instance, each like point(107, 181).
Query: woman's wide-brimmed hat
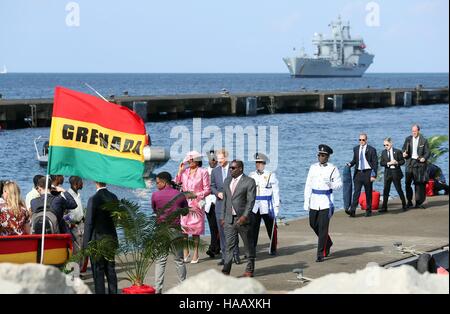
point(196, 156)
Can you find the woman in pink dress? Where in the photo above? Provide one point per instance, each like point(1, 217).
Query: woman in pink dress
point(194, 179)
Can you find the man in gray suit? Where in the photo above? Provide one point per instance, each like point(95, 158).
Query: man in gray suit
point(218, 176)
point(238, 200)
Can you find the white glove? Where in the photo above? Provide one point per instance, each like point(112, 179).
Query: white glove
point(327, 181)
point(277, 210)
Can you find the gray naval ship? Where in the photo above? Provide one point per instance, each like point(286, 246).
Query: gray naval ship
point(338, 56)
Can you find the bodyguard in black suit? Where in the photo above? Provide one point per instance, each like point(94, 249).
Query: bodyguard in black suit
point(99, 224)
point(366, 161)
point(416, 152)
point(392, 159)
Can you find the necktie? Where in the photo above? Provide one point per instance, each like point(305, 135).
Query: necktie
point(224, 174)
point(389, 155)
point(361, 160)
point(233, 186)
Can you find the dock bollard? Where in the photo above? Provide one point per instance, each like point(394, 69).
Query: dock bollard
point(251, 106)
point(407, 99)
point(337, 103)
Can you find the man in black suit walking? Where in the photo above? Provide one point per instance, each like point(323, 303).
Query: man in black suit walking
point(416, 152)
point(98, 225)
point(366, 161)
point(392, 159)
point(239, 195)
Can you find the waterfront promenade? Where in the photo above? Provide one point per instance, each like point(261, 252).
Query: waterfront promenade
point(357, 241)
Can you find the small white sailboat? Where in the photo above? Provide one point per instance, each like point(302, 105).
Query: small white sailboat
point(4, 70)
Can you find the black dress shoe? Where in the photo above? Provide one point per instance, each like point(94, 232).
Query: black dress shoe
point(319, 259)
point(327, 251)
point(210, 254)
point(383, 210)
point(410, 205)
point(368, 213)
point(237, 260)
point(221, 262)
point(404, 208)
point(353, 213)
point(420, 206)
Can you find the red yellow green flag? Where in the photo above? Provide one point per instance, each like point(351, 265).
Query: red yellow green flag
point(95, 139)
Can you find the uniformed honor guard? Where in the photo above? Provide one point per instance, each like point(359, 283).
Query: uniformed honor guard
point(323, 178)
point(267, 204)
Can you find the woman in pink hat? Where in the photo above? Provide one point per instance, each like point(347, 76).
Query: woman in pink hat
point(194, 179)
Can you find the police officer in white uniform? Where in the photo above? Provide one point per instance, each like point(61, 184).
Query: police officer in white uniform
point(267, 204)
point(323, 178)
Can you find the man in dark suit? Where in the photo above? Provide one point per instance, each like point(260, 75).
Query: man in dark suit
point(416, 152)
point(392, 159)
point(98, 225)
point(366, 161)
point(218, 176)
point(238, 201)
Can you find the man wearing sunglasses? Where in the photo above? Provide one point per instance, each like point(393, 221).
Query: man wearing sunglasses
point(391, 160)
point(323, 178)
point(239, 196)
point(366, 161)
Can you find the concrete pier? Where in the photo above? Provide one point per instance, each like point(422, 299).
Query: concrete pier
point(21, 113)
point(357, 242)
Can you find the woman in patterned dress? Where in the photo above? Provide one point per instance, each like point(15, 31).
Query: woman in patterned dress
point(14, 217)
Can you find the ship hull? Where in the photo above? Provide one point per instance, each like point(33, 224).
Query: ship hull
point(306, 67)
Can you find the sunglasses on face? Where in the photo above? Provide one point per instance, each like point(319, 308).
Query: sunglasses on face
point(362, 140)
point(386, 145)
point(322, 155)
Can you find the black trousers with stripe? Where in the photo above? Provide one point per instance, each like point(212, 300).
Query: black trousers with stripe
point(319, 222)
point(269, 223)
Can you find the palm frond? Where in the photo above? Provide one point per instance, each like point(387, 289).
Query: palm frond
point(436, 147)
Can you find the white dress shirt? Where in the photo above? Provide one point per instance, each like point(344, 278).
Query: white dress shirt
point(366, 164)
point(414, 148)
point(321, 178)
point(266, 185)
point(77, 214)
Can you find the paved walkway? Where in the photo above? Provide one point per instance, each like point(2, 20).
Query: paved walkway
point(357, 241)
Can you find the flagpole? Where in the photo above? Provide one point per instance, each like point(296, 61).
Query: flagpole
point(45, 210)
point(49, 159)
point(95, 91)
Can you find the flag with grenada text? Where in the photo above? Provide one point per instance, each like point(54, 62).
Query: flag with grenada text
point(95, 139)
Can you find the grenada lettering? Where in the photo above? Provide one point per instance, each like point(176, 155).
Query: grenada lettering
point(103, 140)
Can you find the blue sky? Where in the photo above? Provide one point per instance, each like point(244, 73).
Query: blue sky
point(207, 36)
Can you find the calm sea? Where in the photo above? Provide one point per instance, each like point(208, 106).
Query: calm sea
point(298, 134)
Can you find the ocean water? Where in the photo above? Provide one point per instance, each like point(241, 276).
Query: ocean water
point(41, 85)
point(298, 134)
